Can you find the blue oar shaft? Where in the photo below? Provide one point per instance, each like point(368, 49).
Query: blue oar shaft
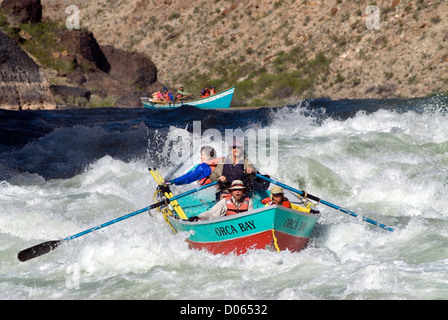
point(129, 215)
point(45, 247)
point(325, 203)
point(107, 224)
point(187, 193)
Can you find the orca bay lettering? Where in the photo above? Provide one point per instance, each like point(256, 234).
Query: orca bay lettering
point(231, 229)
point(294, 224)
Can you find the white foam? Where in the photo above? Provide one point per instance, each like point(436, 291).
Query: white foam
point(387, 166)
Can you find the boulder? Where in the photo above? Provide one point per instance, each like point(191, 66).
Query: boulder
point(114, 72)
point(23, 85)
point(132, 68)
point(75, 92)
point(104, 85)
point(130, 100)
point(23, 10)
point(77, 77)
point(82, 44)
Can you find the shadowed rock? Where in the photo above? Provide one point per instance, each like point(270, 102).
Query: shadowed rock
point(23, 10)
point(23, 85)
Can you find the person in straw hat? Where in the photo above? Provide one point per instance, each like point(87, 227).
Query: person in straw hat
point(278, 198)
point(235, 202)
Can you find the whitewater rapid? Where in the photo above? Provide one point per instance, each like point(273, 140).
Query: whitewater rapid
point(388, 165)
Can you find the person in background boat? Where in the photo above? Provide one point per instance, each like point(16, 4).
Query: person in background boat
point(157, 96)
point(205, 92)
point(212, 90)
point(182, 95)
point(200, 172)
point(236, 202)
point(167, 95)
point(278, 198)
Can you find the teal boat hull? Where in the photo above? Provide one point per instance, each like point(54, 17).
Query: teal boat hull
point(220, 100)
point(273, 228)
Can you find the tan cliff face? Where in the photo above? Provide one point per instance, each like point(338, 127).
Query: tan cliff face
point(405, 54)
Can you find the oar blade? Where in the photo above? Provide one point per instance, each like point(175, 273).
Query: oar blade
point(45, 247)
point(38, 250)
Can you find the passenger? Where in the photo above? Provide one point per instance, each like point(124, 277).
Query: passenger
point(200, 172)
point(236, 202)
point(157, 96)
point(209, 154)
point(212, 90)
point(205, 92)
point(167, 95)
point(182, 95)
point(277, 198)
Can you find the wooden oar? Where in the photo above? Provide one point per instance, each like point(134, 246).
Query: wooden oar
point(314, 198)
point(45, 247)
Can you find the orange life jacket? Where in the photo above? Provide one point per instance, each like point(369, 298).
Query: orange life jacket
point(233, 209)
point(205, 94)
point(269, 202)
point(212, 164)
point(166, 95)
point(212, 92)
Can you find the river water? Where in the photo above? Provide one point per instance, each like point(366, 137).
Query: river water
point(62, 172)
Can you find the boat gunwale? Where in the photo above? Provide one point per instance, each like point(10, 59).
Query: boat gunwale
point(241, 215)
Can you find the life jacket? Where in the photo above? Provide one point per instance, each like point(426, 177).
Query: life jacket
point(157, 96)
point(205, 93)
point(167, 96)
point(212, 163)
point(212, 92)
point(286, 203)
point(269, 202)
point(233, 209)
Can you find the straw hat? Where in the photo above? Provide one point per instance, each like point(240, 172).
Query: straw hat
point(237, 184)
point(276, 190)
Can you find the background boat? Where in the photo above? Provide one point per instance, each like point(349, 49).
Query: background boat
point(220, 100)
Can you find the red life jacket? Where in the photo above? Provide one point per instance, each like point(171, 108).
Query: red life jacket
point(269, 202)
point(233, 209)
point(212, 163)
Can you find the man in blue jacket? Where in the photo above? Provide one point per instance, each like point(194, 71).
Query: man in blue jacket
point(199, 172)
